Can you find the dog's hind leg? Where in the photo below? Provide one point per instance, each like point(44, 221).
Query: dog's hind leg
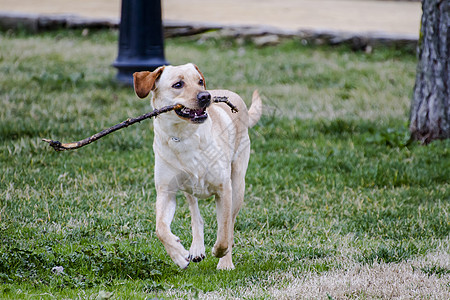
point(226, 262)
point(197, 251)
point(239, 168)
point(165, 210)
point(224, 207)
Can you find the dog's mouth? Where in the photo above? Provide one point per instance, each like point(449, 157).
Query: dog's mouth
point(197, 116)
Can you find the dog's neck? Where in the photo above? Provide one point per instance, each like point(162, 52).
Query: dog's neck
point(177, 130)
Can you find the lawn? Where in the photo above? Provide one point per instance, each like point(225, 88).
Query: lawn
point(339, 203)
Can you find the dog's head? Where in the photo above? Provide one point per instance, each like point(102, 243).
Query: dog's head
point(172, 85)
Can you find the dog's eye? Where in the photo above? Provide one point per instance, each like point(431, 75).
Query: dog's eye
point(200, 82)
point(178, 85)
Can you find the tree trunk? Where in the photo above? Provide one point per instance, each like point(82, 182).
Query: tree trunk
point(430, 109)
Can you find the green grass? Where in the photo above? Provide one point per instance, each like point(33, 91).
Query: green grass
point(333, 178)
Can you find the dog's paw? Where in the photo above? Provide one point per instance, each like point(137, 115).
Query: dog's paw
point(197, 253)
point(197, 258)
point(178, 254)
point(225, 263)
point(182, 259)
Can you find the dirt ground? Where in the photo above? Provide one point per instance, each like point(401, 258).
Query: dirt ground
point(392, 17)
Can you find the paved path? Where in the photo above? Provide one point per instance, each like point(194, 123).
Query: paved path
point(390, 17)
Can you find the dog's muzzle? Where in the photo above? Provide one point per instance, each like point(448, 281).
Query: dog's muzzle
point(204, 99)
point(199, 115)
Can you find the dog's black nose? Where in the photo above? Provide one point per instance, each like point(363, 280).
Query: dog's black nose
point(204, 99)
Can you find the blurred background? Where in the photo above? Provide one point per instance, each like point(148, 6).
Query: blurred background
point(395, 17)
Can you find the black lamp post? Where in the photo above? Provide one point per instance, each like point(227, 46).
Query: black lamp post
point(141, 40)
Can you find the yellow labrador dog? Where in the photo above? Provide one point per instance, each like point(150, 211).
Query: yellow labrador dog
point(203, 150)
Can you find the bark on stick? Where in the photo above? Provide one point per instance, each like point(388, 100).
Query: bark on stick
point(58, 146)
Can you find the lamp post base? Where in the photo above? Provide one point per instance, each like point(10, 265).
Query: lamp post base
point(141, 39)
point(126, 68)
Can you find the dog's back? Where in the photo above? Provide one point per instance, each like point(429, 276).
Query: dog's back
point(247, 117)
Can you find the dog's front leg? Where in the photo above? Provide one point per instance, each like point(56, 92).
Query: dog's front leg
point(224, 222)
point(165, 210)
point(197, 251)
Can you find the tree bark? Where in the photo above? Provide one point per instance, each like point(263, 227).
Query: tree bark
point(430, 109)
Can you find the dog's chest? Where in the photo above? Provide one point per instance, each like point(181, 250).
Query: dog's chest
point(200, 165)
point(199, 157)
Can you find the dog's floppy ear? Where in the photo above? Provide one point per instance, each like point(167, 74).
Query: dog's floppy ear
point(201, 74)
point(144, 81)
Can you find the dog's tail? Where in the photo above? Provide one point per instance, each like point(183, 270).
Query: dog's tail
point(255, 111)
